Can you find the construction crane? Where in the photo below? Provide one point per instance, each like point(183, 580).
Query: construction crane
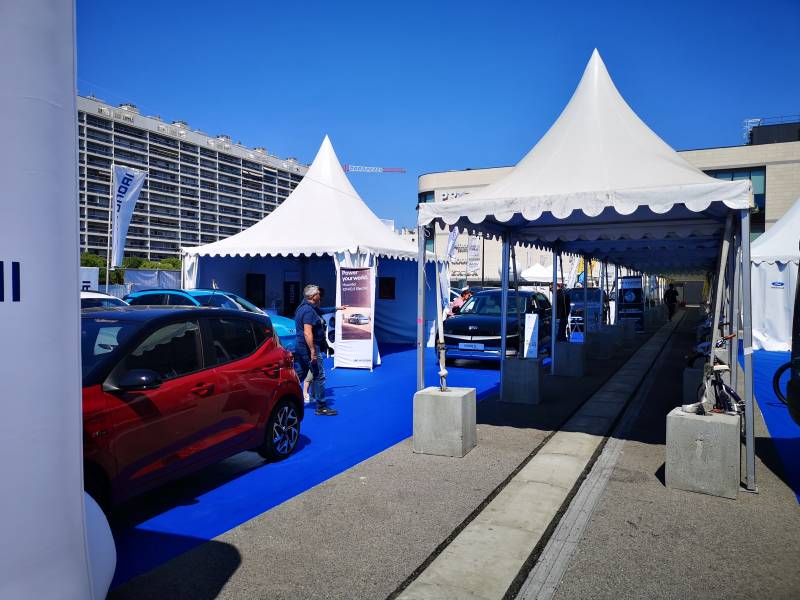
point(363, 169)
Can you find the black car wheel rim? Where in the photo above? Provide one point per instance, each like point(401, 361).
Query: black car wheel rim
point(285, 430)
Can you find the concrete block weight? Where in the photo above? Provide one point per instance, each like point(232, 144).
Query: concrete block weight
point(692, 378)
point(522, 381)
point(703, 453)
point(570, 359)
point(444, 422)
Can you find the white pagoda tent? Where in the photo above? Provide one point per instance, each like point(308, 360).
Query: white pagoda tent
point(323, 222)
point(775, 256)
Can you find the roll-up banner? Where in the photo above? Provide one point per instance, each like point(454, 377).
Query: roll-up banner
point(631, 300)
point(355, 326)
point(126, 185)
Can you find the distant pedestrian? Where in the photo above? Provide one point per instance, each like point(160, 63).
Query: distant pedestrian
point(671, 299)
point(308, 355)
point(563, 302)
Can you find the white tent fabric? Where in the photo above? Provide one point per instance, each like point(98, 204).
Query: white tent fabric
point(323, 215)
point(599, 174)
point(775, 256)
point(536, 273)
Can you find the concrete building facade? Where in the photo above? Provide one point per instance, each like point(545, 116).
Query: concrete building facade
point(198, 188)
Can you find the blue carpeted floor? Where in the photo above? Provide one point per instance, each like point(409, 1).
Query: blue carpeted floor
point(375, 412)
point(785, 433)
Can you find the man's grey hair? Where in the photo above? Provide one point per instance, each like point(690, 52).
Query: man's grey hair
point(310, 291)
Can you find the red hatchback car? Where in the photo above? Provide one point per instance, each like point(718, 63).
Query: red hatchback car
point(167, 391)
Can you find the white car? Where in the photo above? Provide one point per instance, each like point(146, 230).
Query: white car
point(100, 300)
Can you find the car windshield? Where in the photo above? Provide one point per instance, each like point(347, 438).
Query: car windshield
point(101, 302)
point(245, 304)
point(489, 304)
point(101, 338)
point(218, 300)
point(576, 295)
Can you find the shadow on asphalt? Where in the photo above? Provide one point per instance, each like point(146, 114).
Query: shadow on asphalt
point(204, 584)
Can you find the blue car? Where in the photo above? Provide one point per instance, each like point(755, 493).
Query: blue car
point(217, 298)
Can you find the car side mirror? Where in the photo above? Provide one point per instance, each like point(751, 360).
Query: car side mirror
point(135, 380)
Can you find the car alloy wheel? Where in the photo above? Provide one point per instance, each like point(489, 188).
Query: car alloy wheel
point(285, 430)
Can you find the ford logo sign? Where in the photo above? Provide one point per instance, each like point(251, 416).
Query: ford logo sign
point(777, 284)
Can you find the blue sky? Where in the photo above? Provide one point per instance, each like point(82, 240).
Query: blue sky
point(431, 86)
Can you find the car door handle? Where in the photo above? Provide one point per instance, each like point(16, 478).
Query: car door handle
point(202, 389)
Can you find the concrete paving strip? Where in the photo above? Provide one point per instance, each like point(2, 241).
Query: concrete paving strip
point(551, 565)
point(487, 557)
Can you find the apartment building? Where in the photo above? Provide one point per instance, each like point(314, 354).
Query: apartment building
point(199, 188)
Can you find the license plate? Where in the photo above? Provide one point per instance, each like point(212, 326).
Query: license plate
point(470, 346)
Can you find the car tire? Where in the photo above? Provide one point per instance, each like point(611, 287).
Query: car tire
point(282, 431)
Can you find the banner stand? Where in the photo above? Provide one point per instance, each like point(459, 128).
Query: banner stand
point(356, 346)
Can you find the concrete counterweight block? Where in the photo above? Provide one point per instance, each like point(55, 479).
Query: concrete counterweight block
point(692, 378)
point(522, 380)
point(703, 453)
point(599, 345)
point(614, 333)
point(628, 330)
point(444, 422)
point(569, 359)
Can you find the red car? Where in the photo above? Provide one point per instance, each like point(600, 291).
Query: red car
point(167, 391)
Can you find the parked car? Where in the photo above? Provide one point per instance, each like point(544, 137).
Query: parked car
point(99, 300)
point(284, 327)
point(474, 332)
point(169, 390)
point(594, 303)
point(358, 319)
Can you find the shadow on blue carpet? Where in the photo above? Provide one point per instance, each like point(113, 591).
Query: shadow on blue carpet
point(375, 412)
point(783, 431)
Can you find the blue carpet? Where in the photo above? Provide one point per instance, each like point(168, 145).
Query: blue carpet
point(785, 433)
point(375, 412)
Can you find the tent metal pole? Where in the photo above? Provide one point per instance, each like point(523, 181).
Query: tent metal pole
point(736, 312)
point(554, 312)
point(749, 431)
point(602, 290)
point(420, 307)
point(616, 294)
point(720, 285)
point(733, 255)
point(503, 307)
point(585, 298)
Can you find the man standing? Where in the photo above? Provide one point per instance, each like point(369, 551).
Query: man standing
point(457, 303)
point(671, 299)
point(307, 355)
point(563, 302)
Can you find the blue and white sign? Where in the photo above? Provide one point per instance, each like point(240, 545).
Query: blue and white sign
point(777, 284)
point(126, 185)
point(531, 335)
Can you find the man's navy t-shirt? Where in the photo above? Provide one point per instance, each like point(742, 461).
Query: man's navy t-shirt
point(307, 314)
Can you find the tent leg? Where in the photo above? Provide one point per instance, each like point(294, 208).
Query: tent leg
point(616, 294)
point(421, 307)
point(554, 313)
point(585, 298)
point(736, 312)
point(719, 288)
point(749, 432)
point(503, 308)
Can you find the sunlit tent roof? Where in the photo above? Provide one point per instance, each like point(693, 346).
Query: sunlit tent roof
point(602, 183)
point(323, 215)
point(780, 242)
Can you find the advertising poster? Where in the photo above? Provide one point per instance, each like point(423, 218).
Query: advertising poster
point(631, 300)
point(356, 324)
point(531, 335)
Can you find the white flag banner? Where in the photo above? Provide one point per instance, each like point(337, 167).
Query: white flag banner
point(473, 255)
point(451, 244)
point(126, 184)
